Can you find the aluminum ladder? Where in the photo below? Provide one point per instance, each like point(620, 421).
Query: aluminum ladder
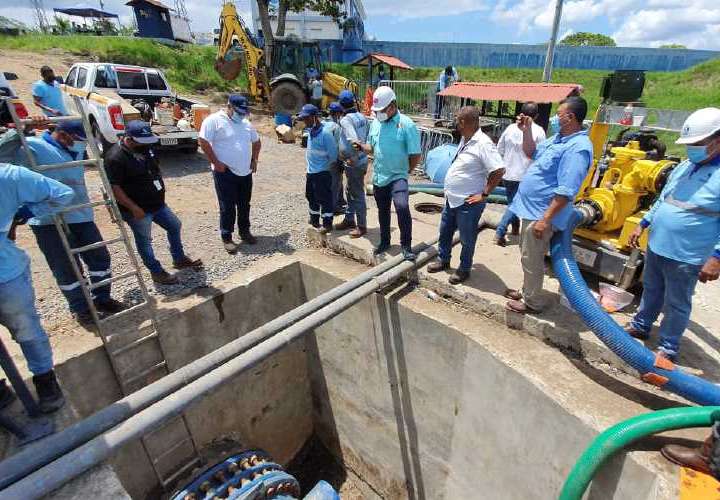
point(135, 351)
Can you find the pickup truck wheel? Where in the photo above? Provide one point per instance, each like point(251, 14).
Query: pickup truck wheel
point(102, 144)
point(190, 149)
point(287, 98)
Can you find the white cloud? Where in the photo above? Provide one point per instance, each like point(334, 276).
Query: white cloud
point(421, 8)
point(696, 27)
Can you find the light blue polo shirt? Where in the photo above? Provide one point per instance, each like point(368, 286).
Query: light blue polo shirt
point(685, 219)
point(47, 151)
point(393, 141)
point(20, 186)
point(322, 150)
point(559, 167)
point(50, 95)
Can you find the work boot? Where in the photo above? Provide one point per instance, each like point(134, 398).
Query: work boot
point(345, 224)
point(512, 294)
point(437, 266)
point(381, 248)
point(358, 232)
point(50, 396)
point(84, 319)
point(110, 306)
point(500, 241)
point(636, 333)
point(7, 396)
point(459, 276)
point(230, 246)
point(515, 231)
point(408, 254)
point(188, 263)
point(164, 278)
point(248, 238)
point(325, 230)
point(314, 223)
point(693, 458)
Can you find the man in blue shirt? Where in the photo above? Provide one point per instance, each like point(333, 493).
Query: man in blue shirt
point(321, 155)
point(545, 197)
point(354, 128)
point(47, 94)
point(394, 142)
point(447, 77)
point(684, 240)
point(67, 143)
point(25, 194)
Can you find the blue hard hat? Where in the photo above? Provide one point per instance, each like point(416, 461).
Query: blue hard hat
point(72, 127)
point(140, 132)
point(335, 107)
point(239, 102)
point(346, 98)
point(308, 110)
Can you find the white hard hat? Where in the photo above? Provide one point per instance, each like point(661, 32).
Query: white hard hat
point(382, 98)
point(699, 126)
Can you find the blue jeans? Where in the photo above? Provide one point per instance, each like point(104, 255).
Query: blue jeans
point(398, 194)
point(511, 189)
point(233, 193)
point(464, 218)
point(19, 316)
point(668, 288)
point(355, 193)
point(142, 231)
point(97, 262)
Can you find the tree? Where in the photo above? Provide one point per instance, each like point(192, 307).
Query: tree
point(673, 46)
point(62, 25)
point(280, 8)
point(584, 39)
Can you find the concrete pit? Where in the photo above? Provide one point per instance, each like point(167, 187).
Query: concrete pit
point(404, 395)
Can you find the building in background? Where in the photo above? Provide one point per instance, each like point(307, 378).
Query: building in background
point(156, 20)
point(310, 24)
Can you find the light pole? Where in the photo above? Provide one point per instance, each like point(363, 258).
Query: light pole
point(547, 71)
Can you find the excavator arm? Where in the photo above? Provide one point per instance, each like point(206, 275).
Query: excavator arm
point(236, 46)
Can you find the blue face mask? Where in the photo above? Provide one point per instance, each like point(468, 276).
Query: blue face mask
point(697, 154)
point(238, 117)
point(78, 147)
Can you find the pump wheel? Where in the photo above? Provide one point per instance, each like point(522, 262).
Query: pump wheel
point(287, 98)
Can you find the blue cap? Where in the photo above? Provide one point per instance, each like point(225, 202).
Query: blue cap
point(335, 107)
point(239, 103)
point(140, 132)
point(72, 127)
point(347, 98)
point(308, 110)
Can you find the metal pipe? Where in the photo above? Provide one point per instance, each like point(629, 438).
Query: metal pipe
point(101, 447)
point(35, 456)
point(550, 55)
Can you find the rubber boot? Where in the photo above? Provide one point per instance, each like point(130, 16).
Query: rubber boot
point(693, 458)
point(50, 395)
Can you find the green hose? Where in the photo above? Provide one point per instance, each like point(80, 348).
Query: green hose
point(623, 434)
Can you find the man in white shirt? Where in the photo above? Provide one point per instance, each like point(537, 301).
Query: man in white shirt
point(474, 173)
point(232, 145)
point(316, 91)
point(510, 147)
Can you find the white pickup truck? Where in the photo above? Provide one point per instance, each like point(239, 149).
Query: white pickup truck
point(99, 85)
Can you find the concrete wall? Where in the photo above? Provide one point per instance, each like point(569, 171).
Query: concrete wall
point(420, 409)
point(268, 407)
point(488, 55)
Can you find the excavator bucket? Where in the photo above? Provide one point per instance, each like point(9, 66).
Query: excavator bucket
point(229, 70)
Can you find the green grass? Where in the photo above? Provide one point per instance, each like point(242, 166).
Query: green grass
point(188, 68)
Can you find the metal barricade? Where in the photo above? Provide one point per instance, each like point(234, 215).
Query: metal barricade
point(430, 138)
point(414, 98)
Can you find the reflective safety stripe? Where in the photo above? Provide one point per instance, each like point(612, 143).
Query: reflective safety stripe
point(690, 207)
point(99, 273)
point(71, 286)
point(314, 212)
point(328, 215)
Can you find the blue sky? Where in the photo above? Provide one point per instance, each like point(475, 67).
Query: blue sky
point(637, 23)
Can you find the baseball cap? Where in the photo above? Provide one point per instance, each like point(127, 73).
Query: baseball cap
point(140, 132)
point(73, 127)
point(308, 110)
point(239, 103)
point(346, 98)
point(335, 107)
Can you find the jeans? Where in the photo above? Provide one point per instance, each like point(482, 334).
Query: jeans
point(19, 316)
point(318, 192)
point(142, 231)
point(396, 193)
point(532, 258)
point(668, 287)
point(355, 193)
point(465, 219)
point(233, 193)
point(336, 172)
point(97, 261)
point(511, 189)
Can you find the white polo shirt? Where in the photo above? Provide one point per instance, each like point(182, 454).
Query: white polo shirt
point(510, 148)
point(473, 163)
point(231, 141)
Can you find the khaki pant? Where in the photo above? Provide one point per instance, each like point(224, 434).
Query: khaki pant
point(533, 252)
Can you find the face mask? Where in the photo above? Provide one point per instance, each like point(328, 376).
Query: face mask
point(315, 129)
point(238, 117)
point(78, 147)
point(381, 116)
point(697, 154)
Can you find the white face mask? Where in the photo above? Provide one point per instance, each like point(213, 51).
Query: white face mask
point(381, 116)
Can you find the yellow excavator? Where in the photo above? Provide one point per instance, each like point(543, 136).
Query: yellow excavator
point(282, 82)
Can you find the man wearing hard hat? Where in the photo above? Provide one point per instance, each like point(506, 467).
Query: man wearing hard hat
point(394, 142)
point(684, 240)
